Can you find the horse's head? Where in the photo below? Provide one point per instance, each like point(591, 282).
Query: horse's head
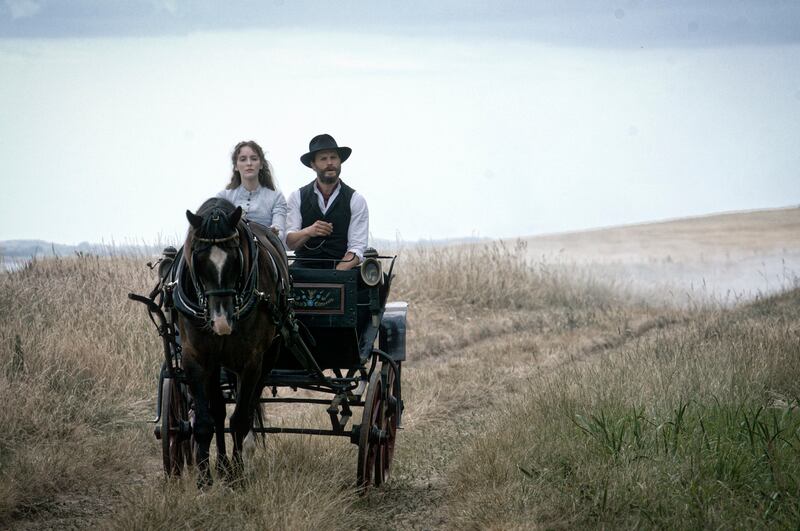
point(214, 255)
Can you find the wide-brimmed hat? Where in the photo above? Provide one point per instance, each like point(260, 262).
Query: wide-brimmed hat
point(320, 143)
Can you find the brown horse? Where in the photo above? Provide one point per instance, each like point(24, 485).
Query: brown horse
point(237, 274)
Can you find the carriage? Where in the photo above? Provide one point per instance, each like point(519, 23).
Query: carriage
point(343, 346)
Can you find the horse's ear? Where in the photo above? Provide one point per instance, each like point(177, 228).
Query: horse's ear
point(194, 220)
point(235, 216)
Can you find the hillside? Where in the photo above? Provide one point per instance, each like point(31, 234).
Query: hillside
point(732, 234)
point(731, 255)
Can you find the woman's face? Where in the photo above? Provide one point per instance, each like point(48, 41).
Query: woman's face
point(248, 163)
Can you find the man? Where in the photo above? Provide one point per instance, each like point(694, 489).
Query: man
point(326, 218)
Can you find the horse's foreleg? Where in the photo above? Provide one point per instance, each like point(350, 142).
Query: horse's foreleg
point(242, 417)
point(218, 412)
point(203, 427)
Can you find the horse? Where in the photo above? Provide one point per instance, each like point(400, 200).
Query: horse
point(236, 281)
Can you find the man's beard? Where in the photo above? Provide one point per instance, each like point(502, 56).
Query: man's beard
point(327, 179)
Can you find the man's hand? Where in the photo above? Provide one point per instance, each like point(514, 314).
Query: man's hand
point(319, 228)
point(349, 261)
point(294, 240)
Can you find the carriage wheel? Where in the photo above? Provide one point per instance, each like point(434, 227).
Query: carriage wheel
point(176, 447)
point(368, 445)
point(390, 405)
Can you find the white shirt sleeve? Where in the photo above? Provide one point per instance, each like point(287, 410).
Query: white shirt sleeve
point(279, 214)
point(294, 219)
point(358, 231)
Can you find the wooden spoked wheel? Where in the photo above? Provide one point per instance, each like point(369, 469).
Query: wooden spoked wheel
point(368, 434)
point(389, 419)
point(176, 440)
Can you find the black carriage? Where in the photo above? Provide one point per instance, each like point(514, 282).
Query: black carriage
point(343, 341)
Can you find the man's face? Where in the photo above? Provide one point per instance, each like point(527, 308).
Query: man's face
point(327, 165)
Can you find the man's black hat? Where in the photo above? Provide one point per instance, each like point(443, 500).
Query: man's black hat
point(322, 142)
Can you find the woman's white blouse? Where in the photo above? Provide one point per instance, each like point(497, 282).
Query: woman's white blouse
point(264, 206)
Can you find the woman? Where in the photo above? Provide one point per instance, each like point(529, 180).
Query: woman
point(253, 189)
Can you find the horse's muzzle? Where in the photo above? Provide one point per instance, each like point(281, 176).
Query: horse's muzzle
point(220, 315)
point(221, 326)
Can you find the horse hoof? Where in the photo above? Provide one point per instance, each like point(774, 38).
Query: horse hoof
point(235, 475)
point(223, 466)
point(204, 481)
point(235, 482)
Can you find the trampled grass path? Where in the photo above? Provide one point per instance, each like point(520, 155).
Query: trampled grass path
point(455, 394)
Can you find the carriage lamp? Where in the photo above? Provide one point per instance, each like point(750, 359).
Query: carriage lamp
point(371, 272)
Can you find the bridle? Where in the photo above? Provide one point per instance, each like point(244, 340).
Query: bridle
point(246, 294)
point(200, 289)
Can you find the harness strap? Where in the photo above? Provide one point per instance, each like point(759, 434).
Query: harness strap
point(216, 240)
point(183, 303)
point(249, 297)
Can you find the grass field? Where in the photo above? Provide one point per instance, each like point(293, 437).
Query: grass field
point(538, 394)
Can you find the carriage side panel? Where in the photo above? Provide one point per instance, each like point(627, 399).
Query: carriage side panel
point(325, 298)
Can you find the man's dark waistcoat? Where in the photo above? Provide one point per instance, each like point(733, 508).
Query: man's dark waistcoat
point(334, 245)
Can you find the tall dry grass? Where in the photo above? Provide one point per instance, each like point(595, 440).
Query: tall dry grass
point(498, 276)
point(77, 383)
point(536, 396)
point(466, 294)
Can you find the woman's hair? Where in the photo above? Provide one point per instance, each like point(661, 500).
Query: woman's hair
point(264, 174)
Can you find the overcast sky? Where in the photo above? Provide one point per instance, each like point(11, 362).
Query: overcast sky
point(466, 118)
